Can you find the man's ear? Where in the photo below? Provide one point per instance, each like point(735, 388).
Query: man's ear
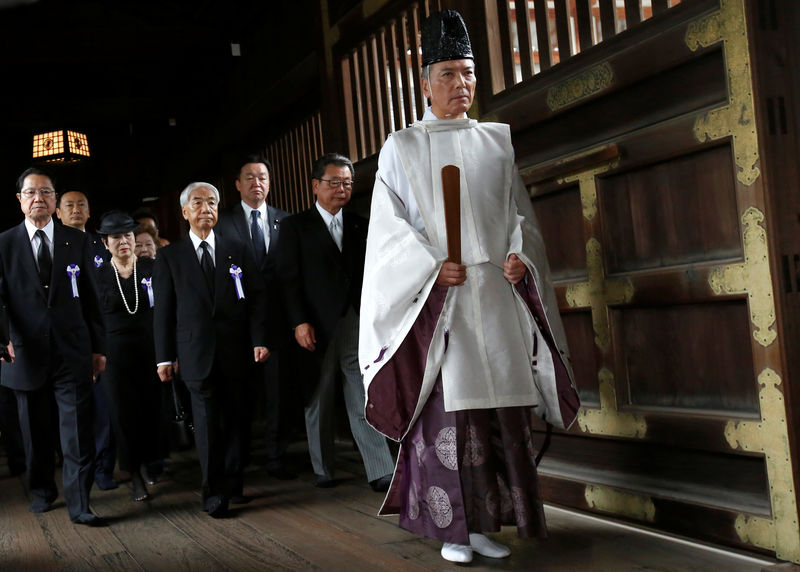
point(426, 89)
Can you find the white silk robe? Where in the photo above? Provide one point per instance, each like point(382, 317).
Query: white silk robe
point(486, 343)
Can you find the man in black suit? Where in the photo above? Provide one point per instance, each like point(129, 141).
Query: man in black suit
point(257, 224)
point(209, 319)
point(321, 263)
point(55, 339)
point(72, 209)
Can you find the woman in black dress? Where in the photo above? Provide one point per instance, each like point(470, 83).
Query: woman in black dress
point(134, 389)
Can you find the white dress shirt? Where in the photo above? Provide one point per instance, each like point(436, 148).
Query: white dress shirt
point(48, 232)
point(196, 240)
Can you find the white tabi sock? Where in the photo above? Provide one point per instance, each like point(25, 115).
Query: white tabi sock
point(456, 552)
point(487, 547)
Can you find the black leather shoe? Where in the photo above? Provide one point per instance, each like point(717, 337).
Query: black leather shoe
point(216, 507)
point(240, 499)
point(89, 519)
point(381, 485)
point(324, 482)
point(282, 473)
point(40, 505)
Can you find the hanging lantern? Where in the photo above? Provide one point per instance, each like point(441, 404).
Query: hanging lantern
point(61, 146)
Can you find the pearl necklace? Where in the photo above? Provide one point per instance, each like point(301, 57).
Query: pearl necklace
point(135, 289)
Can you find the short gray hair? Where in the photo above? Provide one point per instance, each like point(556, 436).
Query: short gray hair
point(192, 186)
point(426, 72)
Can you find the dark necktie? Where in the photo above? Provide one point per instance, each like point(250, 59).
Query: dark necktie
point(207, 266)
point(257, 236)
point(44, 259)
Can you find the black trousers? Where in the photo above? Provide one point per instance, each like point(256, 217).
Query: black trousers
point(222, 417)
point(10, 433)
point(104, 444)
point(72, 398)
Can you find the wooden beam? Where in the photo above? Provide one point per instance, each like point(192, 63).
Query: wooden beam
point(345, 69)
point(416, 64)
point(633, 15)
point(381, 89)
point(506, 45)
point(660, 6)
point(584, 17)
point(396, 86)
point(524, 38)
point(565, 166)
point(405, 46)
point(367, 100)
point(562, 30)
point(608, 19)
point(542, 34)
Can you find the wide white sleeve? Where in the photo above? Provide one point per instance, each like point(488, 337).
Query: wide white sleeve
point(390, 170)
point(400, 269)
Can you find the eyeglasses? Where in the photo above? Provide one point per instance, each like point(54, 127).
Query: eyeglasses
point(44, 192)
point(336, 183)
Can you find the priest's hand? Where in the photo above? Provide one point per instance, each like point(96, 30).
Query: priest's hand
point(305, 336)
point(451, 274)
point(514, 269)
point(260, 353)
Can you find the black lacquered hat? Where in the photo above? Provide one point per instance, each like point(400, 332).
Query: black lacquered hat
point(116, 222)
point(445, 37)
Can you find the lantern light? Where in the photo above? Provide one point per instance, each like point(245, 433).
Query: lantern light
point(63, 146)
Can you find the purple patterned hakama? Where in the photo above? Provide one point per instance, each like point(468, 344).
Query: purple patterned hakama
point(467, 471)
point(462, 471)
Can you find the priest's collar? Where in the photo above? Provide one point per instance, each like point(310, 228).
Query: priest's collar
point(430, 122)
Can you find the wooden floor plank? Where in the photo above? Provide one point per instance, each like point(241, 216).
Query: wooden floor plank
point(77, 543)
point(324, 545)
point(23, 545)
point(231, 540)
point(292, 525)
point(169, 548)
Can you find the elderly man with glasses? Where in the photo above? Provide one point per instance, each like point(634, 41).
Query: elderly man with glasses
point(54, 344)
point(321, 264)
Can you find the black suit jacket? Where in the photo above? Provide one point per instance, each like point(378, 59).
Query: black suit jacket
point(232, 223)
point(194, 328)
point(319, 282)
point(36, 320)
